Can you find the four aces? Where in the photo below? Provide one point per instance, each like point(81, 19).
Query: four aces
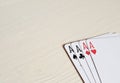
point(80, 62)
point(86, 57)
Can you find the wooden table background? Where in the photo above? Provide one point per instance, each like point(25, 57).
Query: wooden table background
point(32, 33)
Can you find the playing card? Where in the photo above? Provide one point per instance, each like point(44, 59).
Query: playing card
point(106, 57)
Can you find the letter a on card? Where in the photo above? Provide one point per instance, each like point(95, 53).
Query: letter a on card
point(85, 47)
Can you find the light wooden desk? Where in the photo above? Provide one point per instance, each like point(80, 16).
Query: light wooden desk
point(32, 33)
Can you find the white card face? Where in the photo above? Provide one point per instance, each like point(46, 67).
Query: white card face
point(106, 56)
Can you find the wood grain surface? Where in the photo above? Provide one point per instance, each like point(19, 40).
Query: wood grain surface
point(32, 33)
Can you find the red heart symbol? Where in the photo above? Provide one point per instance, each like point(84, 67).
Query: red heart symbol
point(93, 51)
point(88, 52)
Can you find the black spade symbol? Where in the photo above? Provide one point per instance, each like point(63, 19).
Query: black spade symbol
point(74, 56)
point(81, 56)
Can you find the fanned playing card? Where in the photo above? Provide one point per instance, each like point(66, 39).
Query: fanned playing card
point(82, 54)
point(106, 56)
